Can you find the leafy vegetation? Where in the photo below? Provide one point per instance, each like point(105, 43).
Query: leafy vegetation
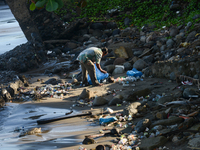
point(50, 5)
point(140, 12)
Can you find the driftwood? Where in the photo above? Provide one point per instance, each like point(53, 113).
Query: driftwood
point(145, 53)
point(48, 120)
point(56, 41)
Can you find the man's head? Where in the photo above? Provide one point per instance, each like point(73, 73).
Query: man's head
point(104, 50)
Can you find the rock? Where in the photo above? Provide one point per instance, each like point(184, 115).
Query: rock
point(93, 40)
point(111, 25)
point(133, 96)
point(196, 16)
point(109, 62)
point(133, 60)
point(57, 69)
point(163, 47)
point(165, 99)
point(107, 32)
point(121, 52)
point(97, 33)
point(118, 70)
point(161, 115)
point(141, 125)
point(143, 39)
point(116, 100)
point(52, 81)
point(137, 53)
point(131, 109)
point(139, 64)
point(99, 101)
point(74, 81)
point(195, 127)
point(6, 95)
point(170, 43)
point(71, 45)
point(119, 61)
point(2, 102)
point(152, 143)
point(127, 46)
point(127, 66)
point(173, 31)
point(187, 124)
point(57, 51)
point(126, 32)
point(86, 37)
point(86, 94)
point(174, 7)
point(110, 68)
point(127, 22)
point(194, 142)
point(190, 91)
point(97, 25)
point(30, 132)
point(88, 141)
point(116, 32)
point(172, 76)
point(13, 87)
point(191, 36)
point(148, 59)
point(167, 122)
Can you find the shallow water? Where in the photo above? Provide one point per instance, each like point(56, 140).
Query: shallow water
point(11, 34)
point(18, 117)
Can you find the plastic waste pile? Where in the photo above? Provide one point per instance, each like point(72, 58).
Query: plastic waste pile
point(57, 91)
point(49, 90)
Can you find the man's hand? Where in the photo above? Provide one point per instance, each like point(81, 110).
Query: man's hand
point(99, 67)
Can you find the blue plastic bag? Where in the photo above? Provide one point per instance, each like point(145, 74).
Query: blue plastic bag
point(134, 72)
point(100, 76)
point(102, 121)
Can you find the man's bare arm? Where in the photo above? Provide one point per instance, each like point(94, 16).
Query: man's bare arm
point(99, 67)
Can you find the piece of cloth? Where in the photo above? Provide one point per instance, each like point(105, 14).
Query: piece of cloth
point(93, 53)
point(89, 67)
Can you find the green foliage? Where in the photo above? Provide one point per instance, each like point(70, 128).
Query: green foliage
point(32, 6)
point(50, 5)
point(141, 12)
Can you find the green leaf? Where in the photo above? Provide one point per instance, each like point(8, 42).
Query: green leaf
point(60, 3)
point(32, 6)
point(40, 3)
point(51, 5)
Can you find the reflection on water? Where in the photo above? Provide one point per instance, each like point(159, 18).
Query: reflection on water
point(11, 34)
point(18, 118)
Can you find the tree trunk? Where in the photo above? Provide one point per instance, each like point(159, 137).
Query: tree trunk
point(20, 10)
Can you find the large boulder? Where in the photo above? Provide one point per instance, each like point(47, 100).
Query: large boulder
point(99, 101)
point(127, 46)
point(140, 64)
point(133, 96)
point(153, 143)
point(116, 100)
point(86, 94)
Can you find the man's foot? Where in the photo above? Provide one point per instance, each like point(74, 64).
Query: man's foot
point(84, 85)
